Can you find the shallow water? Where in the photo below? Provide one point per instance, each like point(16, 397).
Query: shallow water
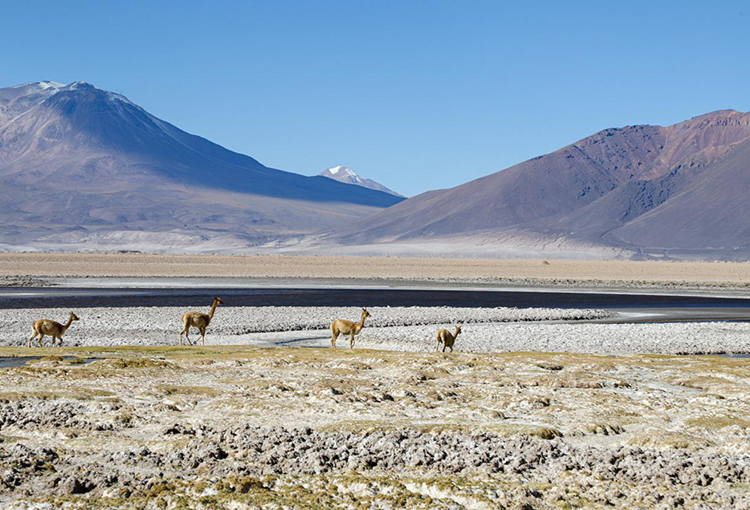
point(723, 355)
point(20, 361)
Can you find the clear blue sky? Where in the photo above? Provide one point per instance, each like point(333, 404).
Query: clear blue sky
point(416, 94)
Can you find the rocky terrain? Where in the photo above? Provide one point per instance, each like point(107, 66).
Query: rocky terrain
point(120, 416)
point(267, 325)
point(22, 281)
point(484, 330)
point(219, 426)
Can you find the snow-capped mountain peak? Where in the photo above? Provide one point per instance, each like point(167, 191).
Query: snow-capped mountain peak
point(340, 173)
point(344, 174)
point(44, 85)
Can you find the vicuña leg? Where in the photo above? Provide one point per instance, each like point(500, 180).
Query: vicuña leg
point(351, 340)
point(32, 337)
point(203, 335)
point(41, 337)
point(334, 336)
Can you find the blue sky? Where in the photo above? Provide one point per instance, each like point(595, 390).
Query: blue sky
point(415, 94)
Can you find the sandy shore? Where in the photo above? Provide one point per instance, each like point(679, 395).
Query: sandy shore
point(209, 427)
point(526, 272)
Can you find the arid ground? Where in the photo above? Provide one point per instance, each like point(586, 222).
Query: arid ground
point(553, 272)
point(311, 428)
point(537, 408)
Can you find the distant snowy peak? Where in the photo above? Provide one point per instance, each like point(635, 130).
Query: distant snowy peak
point(49, 88)
point(347, 176)
point(44, 85)
point(341, 169)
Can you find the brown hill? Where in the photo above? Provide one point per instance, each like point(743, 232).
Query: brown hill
point(641, 188)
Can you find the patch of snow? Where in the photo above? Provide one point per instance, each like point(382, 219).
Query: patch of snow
point(343, 174)
point(344, 170)
point(80, 85)
point(44, 85)
point(119, 97)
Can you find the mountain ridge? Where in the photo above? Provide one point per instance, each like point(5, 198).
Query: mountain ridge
point(592, 191)
point(75, 156)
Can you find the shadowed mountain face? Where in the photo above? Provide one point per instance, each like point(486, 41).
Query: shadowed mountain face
point(76, 160)
point(645, 188)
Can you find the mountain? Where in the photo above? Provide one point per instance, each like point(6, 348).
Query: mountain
point(84, 167)
point(343, 174)
point(679, 191)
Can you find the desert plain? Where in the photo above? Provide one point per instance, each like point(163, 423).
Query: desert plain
point(535, 408)
point(612, 273)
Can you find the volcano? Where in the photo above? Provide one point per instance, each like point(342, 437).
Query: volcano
point(84, 167)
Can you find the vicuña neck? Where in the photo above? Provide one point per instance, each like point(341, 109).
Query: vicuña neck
point(67, 324)
point(213, 309)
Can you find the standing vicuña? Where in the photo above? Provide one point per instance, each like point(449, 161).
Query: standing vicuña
point(446, 338)
point(44, 327)
point(198, 320)
point(344, 327)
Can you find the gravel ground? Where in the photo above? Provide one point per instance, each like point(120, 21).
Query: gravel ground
point(399, 329)
point(673, 338)
point(22, 281)
point(241, 325)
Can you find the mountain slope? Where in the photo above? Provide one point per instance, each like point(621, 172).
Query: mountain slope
point(343, 174)
point(639, 188)
point(76, 160)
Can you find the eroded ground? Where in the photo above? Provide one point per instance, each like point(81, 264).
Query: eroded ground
point(319, 428)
